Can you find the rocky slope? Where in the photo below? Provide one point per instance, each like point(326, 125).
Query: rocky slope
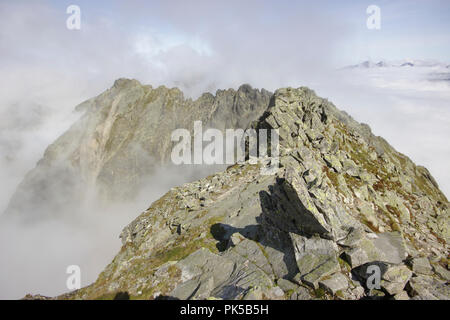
point(342, 201)
point(122, 136)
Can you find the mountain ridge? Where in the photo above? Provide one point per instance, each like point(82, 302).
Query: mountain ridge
point(122, 137)
point(343, 200)
point(368, 64)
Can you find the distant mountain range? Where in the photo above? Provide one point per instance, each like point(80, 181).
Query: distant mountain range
point(406, 63)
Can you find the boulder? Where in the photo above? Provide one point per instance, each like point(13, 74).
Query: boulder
point(395, 278)
point(421, 265)
point(334, 283)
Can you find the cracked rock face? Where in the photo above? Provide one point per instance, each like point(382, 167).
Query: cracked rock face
point(342, 201)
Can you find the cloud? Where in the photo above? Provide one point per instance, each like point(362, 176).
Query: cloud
point(198, 46)
point(403, 106)
point(47, 69)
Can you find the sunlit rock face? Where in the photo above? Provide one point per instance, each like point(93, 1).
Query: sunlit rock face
point(342, 204)
point(123, 136)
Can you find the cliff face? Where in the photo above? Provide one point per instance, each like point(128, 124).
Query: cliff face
point(342, 202)
point(123, 135)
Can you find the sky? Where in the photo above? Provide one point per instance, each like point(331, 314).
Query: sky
point(198, 46)
point(418, 28)
point(46, 70)
point(153, 40)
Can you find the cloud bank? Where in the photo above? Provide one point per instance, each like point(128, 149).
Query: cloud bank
point(47, 70)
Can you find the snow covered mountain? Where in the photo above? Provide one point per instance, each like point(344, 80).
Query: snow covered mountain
point(405, 63)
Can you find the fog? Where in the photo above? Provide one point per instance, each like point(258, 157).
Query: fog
point(47, 70)
point(35, 255)
point(406, 107)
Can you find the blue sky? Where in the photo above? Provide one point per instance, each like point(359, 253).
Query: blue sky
point(409, 29)
point(201, 45)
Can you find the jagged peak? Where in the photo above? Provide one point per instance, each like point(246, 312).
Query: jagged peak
point(308, 101)
point(125, 82)
point(341, 200)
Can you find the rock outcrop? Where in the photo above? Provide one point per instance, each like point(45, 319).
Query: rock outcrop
point(123, 135)
point(343, 204)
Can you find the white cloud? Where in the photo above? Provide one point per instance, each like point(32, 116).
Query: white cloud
point(403, 106)
point(47, 70)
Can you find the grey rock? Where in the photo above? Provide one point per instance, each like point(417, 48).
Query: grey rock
point(395, 278)
point(421, 265)
point(401, 296)
point(356, 257)
point(335, 283)
point(312, 221)
point(240, 234)
point(442, 272)
point(316, 258)
point(427, 288)
point(254, 294)
point(301, 294)
point(287, 285)
point(385, 247)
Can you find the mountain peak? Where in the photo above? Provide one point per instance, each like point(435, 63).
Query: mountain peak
point(397, 64)
point(343, 200)
point(125, 82)
point(120, 140)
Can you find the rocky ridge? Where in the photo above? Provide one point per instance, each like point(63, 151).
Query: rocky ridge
point(342, 201)
point(123, 135)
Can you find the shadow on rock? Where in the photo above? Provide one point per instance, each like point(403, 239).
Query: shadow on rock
point(268, 232)
point(122, 296)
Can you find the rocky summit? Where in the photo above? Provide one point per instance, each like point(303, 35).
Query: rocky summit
point(122, 137)
point(343, 205)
